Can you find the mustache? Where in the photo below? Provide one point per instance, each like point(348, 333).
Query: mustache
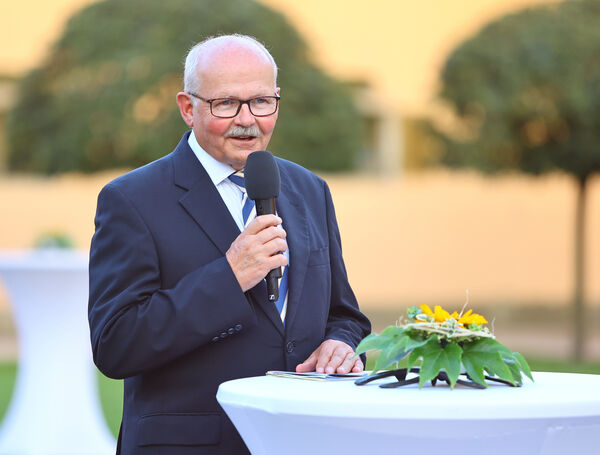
point(238, 131)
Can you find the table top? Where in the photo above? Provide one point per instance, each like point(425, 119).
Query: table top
point(43, 259)
point(551, 395)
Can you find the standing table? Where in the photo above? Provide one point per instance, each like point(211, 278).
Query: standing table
point(558, 414)
point(55, 408)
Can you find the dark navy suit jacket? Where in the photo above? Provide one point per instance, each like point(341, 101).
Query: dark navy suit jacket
point(167, 313)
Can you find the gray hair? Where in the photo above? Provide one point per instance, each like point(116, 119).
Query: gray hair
point(190, 75)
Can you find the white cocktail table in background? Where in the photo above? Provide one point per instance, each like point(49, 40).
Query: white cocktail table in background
point(55, 408)
point(559, 414)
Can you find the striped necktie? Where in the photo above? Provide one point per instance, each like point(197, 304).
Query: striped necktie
point(248, 214)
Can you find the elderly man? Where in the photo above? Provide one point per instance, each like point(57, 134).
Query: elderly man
point(178, 301)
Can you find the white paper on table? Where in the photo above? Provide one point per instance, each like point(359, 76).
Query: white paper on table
point(317, 376)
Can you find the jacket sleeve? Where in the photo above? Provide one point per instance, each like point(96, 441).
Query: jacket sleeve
point(135, 324)
point(345, 322)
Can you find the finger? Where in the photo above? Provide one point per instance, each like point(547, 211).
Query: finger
point(274, 246)
point(308, 364)
point(270, 233)
point(277, 260)
point(348, 363)
point(358, 365)
point(261, 222)
point(274, 262)
point(337, 358)
point(325, 352)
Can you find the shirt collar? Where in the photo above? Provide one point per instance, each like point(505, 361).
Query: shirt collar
point(216, 170)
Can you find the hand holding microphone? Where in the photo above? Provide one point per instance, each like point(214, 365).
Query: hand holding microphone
point(254, 254)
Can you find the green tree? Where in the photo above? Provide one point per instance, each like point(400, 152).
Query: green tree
point(525, 92)
point(105, 97)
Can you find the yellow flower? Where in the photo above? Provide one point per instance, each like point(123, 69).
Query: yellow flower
point(441, 315)
point(425, 309)
point(438, 315)
point(473, 318)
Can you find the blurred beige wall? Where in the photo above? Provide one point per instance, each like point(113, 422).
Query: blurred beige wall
point(396, 46)
point(424, 238)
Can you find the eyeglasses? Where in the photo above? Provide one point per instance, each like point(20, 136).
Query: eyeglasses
point(261, 106)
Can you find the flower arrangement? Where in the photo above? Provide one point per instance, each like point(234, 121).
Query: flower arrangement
point(54, 239)
point(447, 345)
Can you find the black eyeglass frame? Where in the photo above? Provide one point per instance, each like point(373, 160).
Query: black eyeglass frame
point(239, 108)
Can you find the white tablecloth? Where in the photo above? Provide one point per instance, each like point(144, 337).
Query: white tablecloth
point(552, 416)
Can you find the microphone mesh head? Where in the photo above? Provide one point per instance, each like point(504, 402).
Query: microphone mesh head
point(261, 176)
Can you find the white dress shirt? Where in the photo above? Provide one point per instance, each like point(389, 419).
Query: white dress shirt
point(219, 173)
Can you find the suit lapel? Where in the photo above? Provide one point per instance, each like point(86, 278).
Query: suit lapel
point(259, 294)
point(202, 200)
point(293, 212)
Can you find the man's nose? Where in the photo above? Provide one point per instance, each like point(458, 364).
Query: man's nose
point(245, 117)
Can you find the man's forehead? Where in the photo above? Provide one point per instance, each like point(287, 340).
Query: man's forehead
point(238, 71)
point(232, 52)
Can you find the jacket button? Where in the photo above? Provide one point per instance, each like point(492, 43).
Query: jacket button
point(290, 346)
point(215, 339)
point(238, 327)
point(230, 331)
point(224, 335)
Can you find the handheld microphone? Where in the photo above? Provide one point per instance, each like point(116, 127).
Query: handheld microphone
point(261, 176)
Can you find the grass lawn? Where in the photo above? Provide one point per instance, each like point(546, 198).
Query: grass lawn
point(111, 391)
point(111, 397)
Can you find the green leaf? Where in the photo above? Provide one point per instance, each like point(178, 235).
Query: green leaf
point(523, 364)
point(389, 342)
point(392, 331)
point(375, 341)
point(514, 367)
point(372, 341)
point(437, 358)
point(413, 311)
point(413, 341)
point(394, 343)
point(453, 361)
point(473, 369)
point(397, 348)
point(412, 358)
point(389, 356)
point(486, 353)
point(496, 366)
point(494, 344)
point(432, 344)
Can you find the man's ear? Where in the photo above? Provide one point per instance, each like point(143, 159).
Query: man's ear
point(186, 108)
point(278, 91)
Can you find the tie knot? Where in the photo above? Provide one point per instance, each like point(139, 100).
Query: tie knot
point(238, 179)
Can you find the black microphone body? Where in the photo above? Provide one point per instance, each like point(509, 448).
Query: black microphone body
point(267, 207)
point(262, 181)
